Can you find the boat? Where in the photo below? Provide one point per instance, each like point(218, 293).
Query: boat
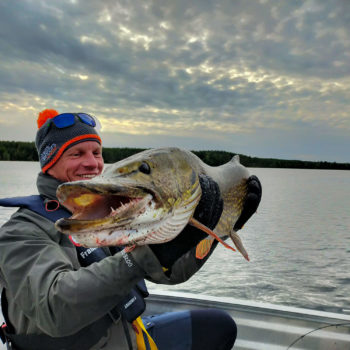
point(263, 326)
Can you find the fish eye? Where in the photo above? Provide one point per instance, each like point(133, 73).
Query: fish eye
point(145, 168)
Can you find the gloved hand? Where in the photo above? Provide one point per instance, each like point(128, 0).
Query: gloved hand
point(251, 202)
point(208, 212)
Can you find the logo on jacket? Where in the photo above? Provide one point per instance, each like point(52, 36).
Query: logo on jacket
point(127, 259)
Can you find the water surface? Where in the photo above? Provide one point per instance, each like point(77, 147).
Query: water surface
point(298, 242)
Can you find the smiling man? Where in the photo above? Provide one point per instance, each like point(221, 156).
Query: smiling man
point(56, 295)
point(81, 161)
point(61, 151)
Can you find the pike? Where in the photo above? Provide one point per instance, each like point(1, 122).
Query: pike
point(149, 198)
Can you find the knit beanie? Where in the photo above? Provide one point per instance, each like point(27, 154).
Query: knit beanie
point(52, 141)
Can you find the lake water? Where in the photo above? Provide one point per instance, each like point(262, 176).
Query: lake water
point(298, 242)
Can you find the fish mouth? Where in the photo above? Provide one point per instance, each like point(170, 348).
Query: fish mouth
point(106, 214)
point(100, 205)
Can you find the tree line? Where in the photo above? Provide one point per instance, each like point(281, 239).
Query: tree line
point(26, 151)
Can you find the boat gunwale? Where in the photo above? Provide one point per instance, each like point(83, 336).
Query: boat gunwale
point(233, 304)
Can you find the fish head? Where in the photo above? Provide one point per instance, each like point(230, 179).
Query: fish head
point(146, 198)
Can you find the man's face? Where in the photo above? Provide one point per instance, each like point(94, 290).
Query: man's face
point(80, 162)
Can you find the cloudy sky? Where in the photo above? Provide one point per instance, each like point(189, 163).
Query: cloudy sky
point(262, 78)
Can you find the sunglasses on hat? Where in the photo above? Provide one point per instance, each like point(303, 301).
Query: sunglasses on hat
point(68, 119)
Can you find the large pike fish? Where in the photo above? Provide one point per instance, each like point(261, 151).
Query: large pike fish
point(149, 198)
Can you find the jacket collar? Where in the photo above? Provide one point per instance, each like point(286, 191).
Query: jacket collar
point(47, 185)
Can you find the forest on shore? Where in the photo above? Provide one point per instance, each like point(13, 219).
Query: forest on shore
point(26, 151)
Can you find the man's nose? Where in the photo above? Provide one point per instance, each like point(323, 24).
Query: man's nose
point(90, 160)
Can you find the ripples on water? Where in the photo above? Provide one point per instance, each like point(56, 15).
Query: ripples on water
point(298, 241)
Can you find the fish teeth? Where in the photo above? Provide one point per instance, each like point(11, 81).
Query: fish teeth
point(113, 211)
point(117, 210)
point(124, 206)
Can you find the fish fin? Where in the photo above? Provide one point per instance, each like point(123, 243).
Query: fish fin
point(235, 158)
point(203, 247)
point(239, 244)
point(209, 232)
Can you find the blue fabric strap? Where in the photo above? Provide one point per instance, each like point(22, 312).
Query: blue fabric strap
point(37, 204)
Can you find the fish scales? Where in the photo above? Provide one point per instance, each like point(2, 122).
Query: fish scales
point(233, 205)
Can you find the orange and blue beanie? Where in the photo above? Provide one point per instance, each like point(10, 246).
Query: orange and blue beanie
point(51, 141)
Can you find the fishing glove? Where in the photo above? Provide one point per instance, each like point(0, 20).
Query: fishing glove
point(251, 202)
point(208, 212)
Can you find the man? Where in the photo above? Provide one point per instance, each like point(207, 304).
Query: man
point(52, 300)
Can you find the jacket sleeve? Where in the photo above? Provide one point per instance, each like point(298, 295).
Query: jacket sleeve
point(183, 268)
point(54, 293)
point(188, 265)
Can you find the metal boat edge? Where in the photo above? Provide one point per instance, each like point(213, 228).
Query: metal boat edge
point(263, 326)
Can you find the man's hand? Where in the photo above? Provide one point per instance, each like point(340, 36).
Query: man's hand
point(208, 212)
